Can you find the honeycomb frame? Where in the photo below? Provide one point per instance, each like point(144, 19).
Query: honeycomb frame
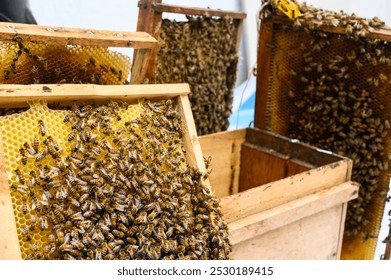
point(39, 113)
point(283, 98)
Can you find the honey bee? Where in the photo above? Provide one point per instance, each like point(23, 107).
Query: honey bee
point(6, 74)
point(23, 156)
point(26, 233)
point(92, 61)
point(20, 176)
point(104, 68)
point(43, 222)
point(57, 211)
point(24, 207)
point(35, 205)
point(34, 69)
point(42, 128)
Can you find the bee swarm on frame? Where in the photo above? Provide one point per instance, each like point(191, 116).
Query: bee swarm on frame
point(115, 187)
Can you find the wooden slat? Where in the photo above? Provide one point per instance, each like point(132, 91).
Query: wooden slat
point(295, 149)
point(141, 66)
point(192, 147)
point(267, 196)
point(311, 238)
point(262, 222)
point(149, 21)
point(76, 36)
point(13, 96)
point(383, 33)
point(224, 148)
point(9, 242)
point(166, 8)
point(263, 74)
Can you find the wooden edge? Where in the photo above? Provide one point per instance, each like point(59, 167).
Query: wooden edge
point(14, 96)
point(342, 229)
point(260, 223)
point(267, 196)
point(239, 28)
point(141, 66)
point(297, 150)
point(382, 33)
point(224, 148)
point(76, 36)
point(192, 146)
point(166, 8)
point(9, 242)
point(231, 135)
point(263, 74)
point(150, 22)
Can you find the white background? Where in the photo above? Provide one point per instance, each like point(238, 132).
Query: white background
point(121, 15)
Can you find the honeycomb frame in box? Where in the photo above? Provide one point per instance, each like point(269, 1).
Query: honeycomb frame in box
point(58, 160)
point(325, 80)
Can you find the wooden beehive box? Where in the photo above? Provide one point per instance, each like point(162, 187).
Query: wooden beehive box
point(282, 199)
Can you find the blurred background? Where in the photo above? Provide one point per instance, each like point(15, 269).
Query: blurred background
point(121, 15)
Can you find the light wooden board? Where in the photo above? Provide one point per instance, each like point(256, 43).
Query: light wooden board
point(284, 214)
point(192, 146)
point(224, 148)
point(311, 238)
point(267, 196)
point(13, 96)
point(76, 36)
point(166, 8)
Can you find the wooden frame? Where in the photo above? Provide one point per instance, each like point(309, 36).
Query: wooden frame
point(299, 194)
point(87, 37)
point(264, 56)
point(266, 71)
point(150, 18)
point(66, 94)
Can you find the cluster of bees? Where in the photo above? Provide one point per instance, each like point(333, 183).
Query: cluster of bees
point(201, 52)
point(339, 86)
point(312, 18)
point(31, 63)
point(123, 191)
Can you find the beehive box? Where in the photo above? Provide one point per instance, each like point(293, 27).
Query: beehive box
point(61, 206)
point(281, 199)
point(324, 78)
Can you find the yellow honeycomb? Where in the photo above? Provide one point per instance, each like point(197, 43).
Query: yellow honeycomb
point(44, 63)
point(21, 128)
